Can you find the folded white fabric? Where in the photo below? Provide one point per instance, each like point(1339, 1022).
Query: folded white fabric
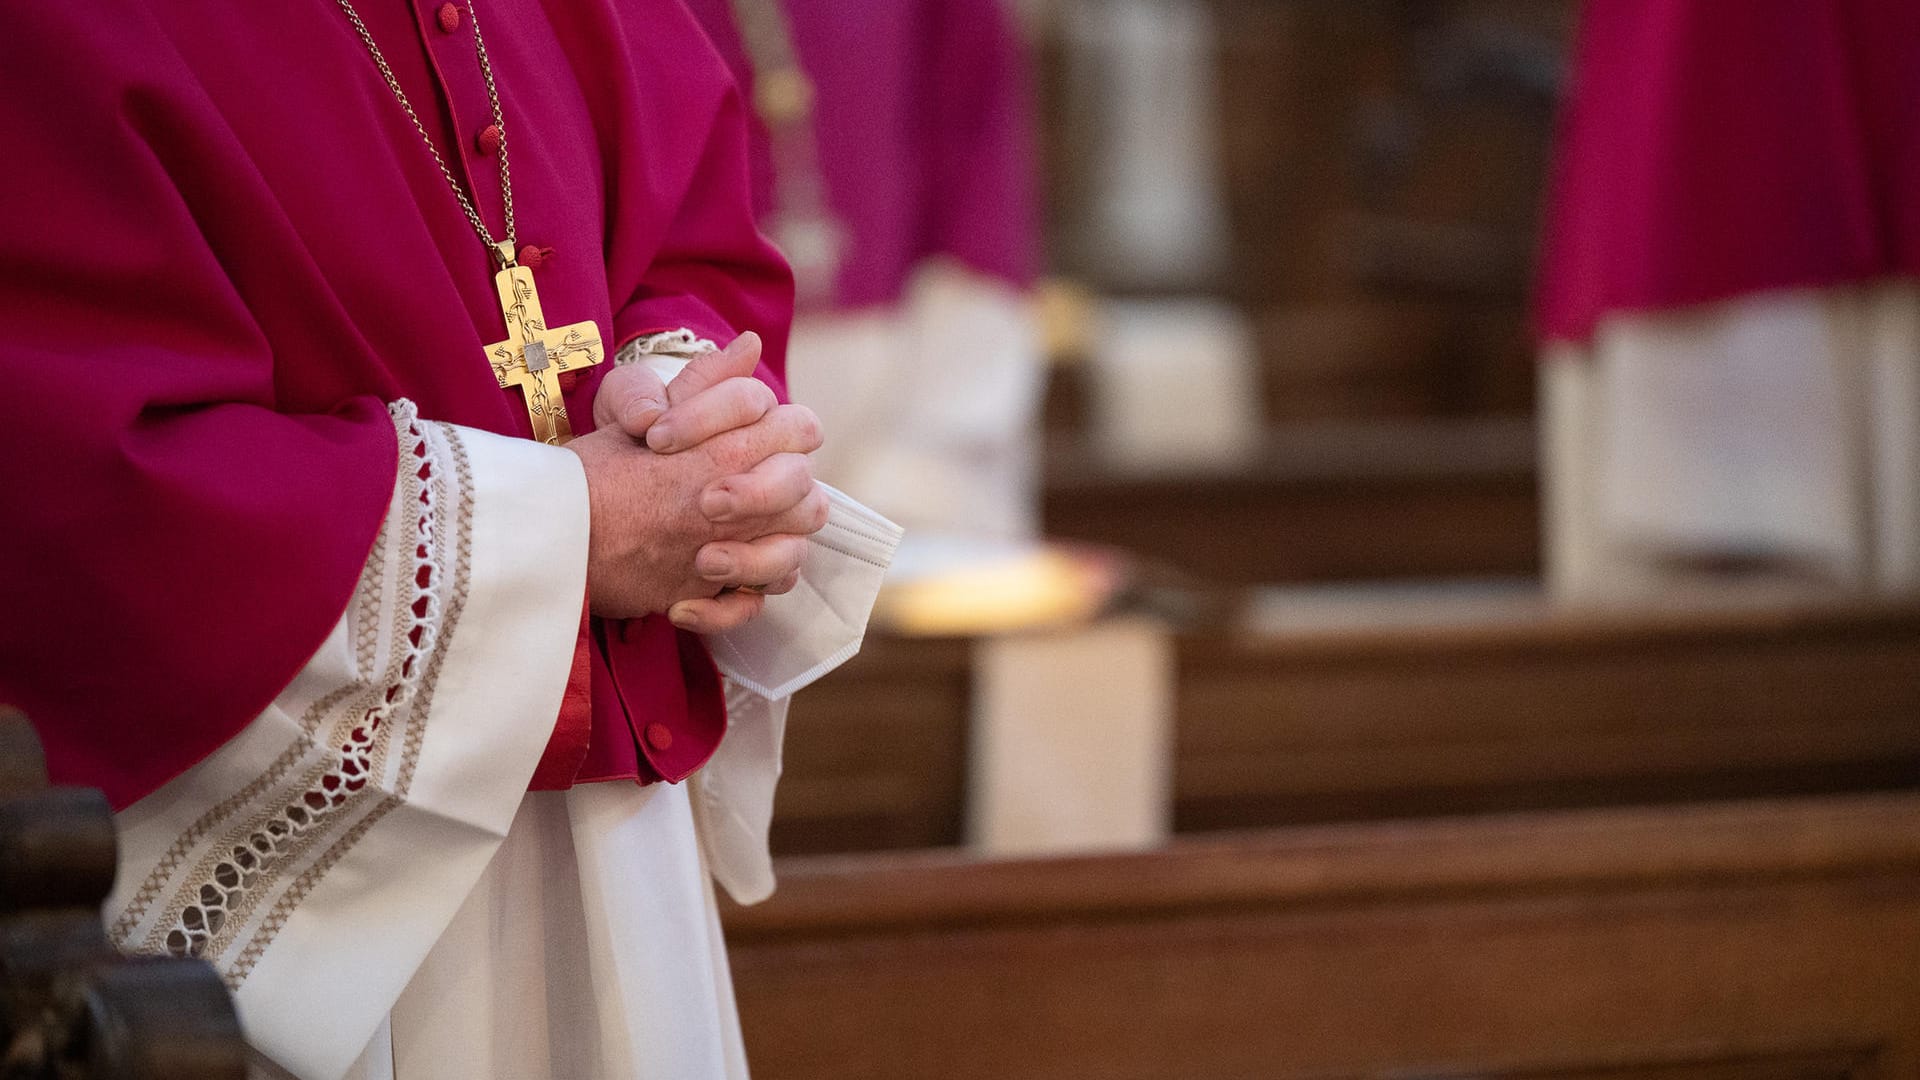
point(800, 636)
point(818, 626)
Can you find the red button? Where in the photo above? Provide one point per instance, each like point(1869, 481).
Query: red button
point(659, 737)
point(533, 257)
point(488, 140)
point(449, 18)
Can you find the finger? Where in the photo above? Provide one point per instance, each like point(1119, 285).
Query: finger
point(808, 516)
point(756, 564)
point(630, 398)
point(769, 489)
point(783, 586)
point(787, 429)
point(734, 403)
point(710, 369)
point(728, 611)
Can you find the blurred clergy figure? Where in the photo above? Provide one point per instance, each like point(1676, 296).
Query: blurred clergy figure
point(895, 167)
point(388, 532)
point(1732, 376)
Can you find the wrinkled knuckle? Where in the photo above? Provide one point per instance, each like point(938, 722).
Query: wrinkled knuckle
point(807, 427)
point(802, 470)
point(788, 486)
point(745, 606)
point(793, 550)
point(631, 380)
point(738, 402)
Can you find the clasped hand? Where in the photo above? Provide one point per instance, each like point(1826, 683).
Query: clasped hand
point(701, 491)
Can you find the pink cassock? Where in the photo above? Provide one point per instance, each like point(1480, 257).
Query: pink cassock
point(923, 119)
point(1713, 148)
point(224, 249)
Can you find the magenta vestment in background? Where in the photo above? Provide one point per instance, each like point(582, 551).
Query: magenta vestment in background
point(1714, 148)
point(923, 115)
point(224, 249)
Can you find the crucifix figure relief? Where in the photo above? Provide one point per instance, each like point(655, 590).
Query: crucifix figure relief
point(532, 356)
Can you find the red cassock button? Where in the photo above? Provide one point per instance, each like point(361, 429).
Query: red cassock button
point(449, 18)
point(659, 737)
point(488, 140)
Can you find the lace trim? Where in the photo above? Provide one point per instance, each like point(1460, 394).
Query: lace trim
point(229, 883)
point(453, 451)
point(153, 886)
point(680, 343)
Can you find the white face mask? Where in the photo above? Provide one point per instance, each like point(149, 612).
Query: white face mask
point(808, 632)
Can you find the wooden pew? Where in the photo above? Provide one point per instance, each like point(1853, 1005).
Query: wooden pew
point(1546, 710)
point(1758, 941)
point(70, 1008)
point(1320, 502)
point(876, 753)
point(1542, 710)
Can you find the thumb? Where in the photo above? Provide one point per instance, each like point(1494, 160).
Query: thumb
point(707, 370)
point(631, 398)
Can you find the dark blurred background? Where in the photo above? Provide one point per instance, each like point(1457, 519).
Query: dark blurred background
point(1414, 522)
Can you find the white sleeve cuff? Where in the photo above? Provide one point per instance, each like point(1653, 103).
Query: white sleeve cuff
point(316, 857)
point(665, 352)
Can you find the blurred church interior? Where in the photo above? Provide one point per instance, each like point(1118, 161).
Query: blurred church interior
point(1413, 557)
point(1290, 672)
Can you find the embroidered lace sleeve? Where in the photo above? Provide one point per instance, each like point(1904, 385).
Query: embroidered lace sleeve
point(315, 857)
point(357, 747)
point(682, 344)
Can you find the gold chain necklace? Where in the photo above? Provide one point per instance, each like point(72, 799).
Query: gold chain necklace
point(499, 124)
point(532, 356)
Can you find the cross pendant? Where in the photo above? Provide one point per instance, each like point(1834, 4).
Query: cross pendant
point(532, 356)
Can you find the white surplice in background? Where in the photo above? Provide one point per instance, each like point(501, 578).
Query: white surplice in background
point(1775, 430)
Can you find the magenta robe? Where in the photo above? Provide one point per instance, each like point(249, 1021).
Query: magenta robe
point(1713, 148)
point(923, 118)
point(224, 249)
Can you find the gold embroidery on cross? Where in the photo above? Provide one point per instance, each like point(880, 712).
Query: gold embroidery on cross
point(532, 356)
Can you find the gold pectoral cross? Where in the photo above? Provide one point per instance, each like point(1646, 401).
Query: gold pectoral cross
point(532, 356)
